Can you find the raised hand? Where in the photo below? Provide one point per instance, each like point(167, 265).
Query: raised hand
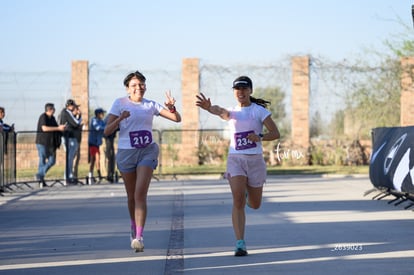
point(203, 102)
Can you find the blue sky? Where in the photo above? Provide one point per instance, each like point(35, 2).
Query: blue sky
point(38, 35)
point(40, 38)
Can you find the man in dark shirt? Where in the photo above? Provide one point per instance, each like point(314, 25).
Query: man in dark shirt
point(3, 126)
point(48, 139)
point(5, 130)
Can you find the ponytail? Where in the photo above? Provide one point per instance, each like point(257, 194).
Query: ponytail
point(260, 101)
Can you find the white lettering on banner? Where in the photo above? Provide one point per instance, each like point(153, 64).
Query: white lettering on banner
point(402, 170)
point(392, 152)
point(375, 154)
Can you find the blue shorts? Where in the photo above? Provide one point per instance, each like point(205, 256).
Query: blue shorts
point(128, 160)
point(253, 167)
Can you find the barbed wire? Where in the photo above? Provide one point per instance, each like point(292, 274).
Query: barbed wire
point(24, 94)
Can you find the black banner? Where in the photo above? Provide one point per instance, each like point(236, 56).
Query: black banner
point(392, 158)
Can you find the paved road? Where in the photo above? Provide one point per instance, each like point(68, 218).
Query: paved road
point(307, 225)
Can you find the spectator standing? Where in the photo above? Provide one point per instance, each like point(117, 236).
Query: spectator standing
point(96, 129)
point(48, 140)
point(70, 117)
point(110, 154)
point(78, 135)
point(5, 129)
point(3, 126)
point(110, 157)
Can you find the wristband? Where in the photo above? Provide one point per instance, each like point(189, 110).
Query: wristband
point(261, 136)
point(172, 109)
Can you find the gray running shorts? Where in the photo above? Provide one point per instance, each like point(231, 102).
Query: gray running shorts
point(128, 160)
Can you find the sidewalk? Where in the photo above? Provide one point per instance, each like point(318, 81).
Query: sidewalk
point(306, 225)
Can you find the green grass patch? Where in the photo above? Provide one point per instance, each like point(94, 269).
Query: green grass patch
point(272, 170)
point(57, 171)
point(188, 170)
point(318, 169)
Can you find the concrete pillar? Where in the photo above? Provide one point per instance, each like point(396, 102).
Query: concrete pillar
point(80, 93)
point(190, 86)
point(407, 91)
point(80, 87)
point(300, 101)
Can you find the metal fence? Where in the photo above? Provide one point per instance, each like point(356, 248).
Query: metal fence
point(19, 158)
point(7, 159)
point(332, 86)
point(208, 155)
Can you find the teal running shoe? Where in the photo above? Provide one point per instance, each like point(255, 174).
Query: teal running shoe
point(240, 248)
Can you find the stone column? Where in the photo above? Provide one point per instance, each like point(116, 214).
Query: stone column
point(190, 86)
point(300, 101)
point(80, 93)
point(407, 91)
point(80, 87)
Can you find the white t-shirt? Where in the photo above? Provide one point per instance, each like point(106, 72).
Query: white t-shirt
point(244, 120)
point(135, 131)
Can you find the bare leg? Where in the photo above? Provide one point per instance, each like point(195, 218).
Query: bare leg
point(136, 186)
point(238, 189)
point(144, 175)
point(254, 196)
point(97, 159)
point(92, 164)
point(130, 182)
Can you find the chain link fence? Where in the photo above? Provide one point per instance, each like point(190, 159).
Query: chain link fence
point(332, 90)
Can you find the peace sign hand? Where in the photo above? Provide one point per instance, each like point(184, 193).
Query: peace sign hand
point(170, 102)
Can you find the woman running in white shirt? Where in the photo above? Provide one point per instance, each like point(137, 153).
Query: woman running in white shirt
point(137, 155)
point(246, 168)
